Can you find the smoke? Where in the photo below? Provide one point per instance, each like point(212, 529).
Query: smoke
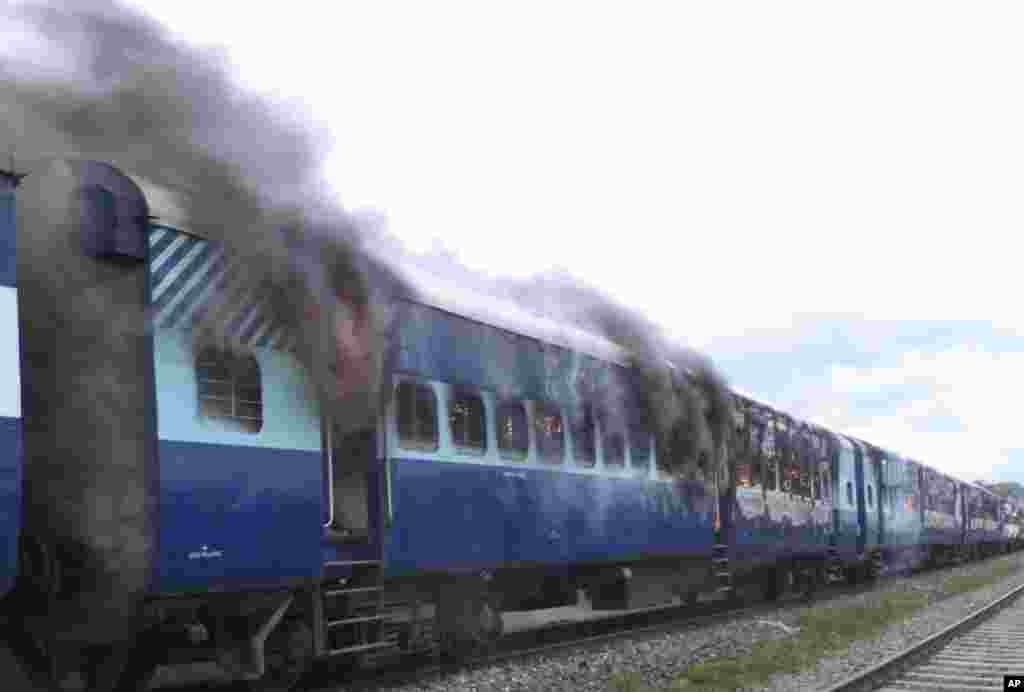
point(101, 81)
point(111, 84)
point(682, 396)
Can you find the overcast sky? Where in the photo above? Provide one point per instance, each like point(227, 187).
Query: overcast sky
point(826, 198)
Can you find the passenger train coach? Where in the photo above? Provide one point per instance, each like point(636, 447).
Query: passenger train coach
point(511, 468)
point(10, 390)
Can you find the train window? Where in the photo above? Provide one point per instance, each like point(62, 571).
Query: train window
point(614, 449)
point(790, 476)
point(849, 493)
point(417, 416)
point(826, 481)
point(230, 389)
point(583, 440)
point(871, 497)
point(702, 463)
point(466, 418)
point(743, 479)
point(769, 463)
point(756, 467)
point(639, 447)
point(550, 439)
point(513, 438)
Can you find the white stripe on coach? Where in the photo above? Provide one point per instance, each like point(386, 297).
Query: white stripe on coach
point(10, 364)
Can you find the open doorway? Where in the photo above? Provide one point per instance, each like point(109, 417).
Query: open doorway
point(351, 465)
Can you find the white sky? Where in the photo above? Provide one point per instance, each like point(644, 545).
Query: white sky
point(720, 166)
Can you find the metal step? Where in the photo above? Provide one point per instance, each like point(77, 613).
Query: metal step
point(359, 648)
point(356, 589)
point(353, 621)
point(354, 563)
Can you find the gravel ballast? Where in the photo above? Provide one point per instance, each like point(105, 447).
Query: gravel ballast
point(658, 660)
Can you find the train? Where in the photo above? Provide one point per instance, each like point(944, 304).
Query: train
point(223, 517)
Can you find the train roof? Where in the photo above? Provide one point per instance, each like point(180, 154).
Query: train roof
point(437, 292)
point(505, 314)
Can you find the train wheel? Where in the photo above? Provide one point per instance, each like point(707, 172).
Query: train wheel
point(39, 569)
point(772, 580)
point(814, 578)
point(122, 667)
point(469, 626)
point(289, 657)
point(853, 574)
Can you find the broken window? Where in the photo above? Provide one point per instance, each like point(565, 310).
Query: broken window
point(583, 438)
point(639, 447)
point(466, 418)
point(417, 416)
point(513, 437)
point(614, 448)
point(550, 438)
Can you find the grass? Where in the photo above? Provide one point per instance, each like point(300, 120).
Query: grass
point(824, 630)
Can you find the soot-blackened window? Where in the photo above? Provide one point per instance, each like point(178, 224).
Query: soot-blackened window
point(614, 449)
point(513, 437)
point(583, 438)
point(639, 447)
point(466, 417)
point(417, 416)
point(550, 438)
point(230, 389)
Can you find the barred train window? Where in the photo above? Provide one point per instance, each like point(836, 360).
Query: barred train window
point(466, 418)
point(230, 388)
point(513, 438)
point(417, 416)
point(584, 445)
point(550, 439)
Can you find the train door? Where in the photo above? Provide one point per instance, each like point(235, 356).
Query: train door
point(883, 467)
point(867, 498)
point(874, 487)
point(354, 480)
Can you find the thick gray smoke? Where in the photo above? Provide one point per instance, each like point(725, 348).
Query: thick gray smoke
point(683, 397)
point(123, 90)
point(110, 84)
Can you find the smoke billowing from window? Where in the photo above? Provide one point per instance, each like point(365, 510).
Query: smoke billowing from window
point(111, 84)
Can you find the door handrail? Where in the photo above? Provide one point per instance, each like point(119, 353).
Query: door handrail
point(329, 445)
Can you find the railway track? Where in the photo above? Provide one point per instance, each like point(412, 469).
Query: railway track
point(971, 654)
point(580, 634)
point(573, 635)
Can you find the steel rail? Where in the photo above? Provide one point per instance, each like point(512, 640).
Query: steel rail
point(878, 675)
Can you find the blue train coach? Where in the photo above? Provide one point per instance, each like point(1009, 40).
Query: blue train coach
point(10, 389)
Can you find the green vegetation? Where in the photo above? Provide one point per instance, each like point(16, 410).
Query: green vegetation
point(823, 630)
